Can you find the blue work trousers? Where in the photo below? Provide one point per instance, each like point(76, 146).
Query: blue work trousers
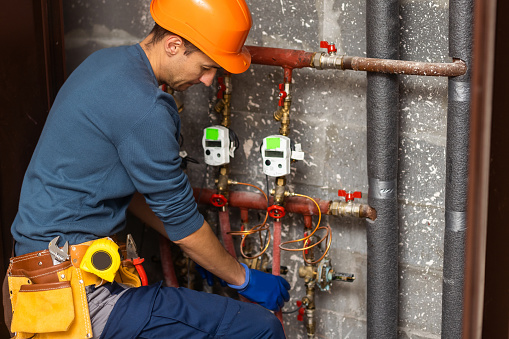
point(156, 311)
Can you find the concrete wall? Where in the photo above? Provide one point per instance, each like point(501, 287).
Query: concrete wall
point(328, 118)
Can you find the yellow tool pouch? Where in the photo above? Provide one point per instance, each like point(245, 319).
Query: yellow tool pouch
point(128, 275)
point(48, 301)
point(43, 308)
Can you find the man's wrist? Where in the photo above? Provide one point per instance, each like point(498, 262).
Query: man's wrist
point(246, 279)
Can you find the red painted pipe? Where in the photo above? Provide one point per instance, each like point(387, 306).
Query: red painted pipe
point(170, 278)
point(287, 58)
point(249, 200)
point(276, 257)
point(224, 224)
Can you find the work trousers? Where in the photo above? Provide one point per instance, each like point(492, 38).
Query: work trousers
point(157, 311)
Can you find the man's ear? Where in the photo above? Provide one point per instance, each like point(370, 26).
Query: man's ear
point(172, 44)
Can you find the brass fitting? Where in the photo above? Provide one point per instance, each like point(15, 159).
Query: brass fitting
point(307, 272)
point(351, 209)
point(283, 112)
point(223, 106)
point(310, 308)
point(222, 181)
point(279, 192)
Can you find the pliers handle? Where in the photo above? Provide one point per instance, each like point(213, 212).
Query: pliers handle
point(137, 262)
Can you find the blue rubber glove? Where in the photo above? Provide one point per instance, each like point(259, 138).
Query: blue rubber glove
point(268, 290)
point(209, 276)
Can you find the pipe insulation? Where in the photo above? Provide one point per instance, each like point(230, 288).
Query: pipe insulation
point(457, 150)
point(382, 41)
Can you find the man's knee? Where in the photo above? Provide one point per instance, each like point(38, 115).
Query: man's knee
point(265, 325)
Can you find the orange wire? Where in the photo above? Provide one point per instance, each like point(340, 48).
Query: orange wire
point(255, 229)
point(328, 236)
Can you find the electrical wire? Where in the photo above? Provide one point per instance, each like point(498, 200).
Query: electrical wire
point(255, 229)
point(327, 237)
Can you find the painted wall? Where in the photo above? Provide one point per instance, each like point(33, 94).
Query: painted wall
point(328, 117)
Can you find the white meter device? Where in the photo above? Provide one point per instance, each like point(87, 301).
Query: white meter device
point(276, 154)
point(216, 144)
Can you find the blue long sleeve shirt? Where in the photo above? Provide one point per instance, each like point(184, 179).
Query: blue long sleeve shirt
point(111, 132)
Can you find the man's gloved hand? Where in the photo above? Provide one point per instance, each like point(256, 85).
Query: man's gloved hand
point(268, 290)
point(209, 276)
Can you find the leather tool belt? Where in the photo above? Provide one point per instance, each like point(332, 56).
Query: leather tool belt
point(49, 301)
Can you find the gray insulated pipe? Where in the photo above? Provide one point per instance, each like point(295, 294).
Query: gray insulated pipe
point(382, 38)
point(458, 128)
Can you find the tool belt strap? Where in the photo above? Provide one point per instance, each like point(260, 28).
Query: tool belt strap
point(39, 265)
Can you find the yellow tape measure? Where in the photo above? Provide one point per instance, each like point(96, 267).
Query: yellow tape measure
point(102, 259)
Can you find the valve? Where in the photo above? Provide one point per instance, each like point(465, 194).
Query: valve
point(300, 316)
point(218, 200)
point(325, 275)
point(331, 47)
point(221, 87)
point(276, 211)
point(350, 196)
point(282, 94)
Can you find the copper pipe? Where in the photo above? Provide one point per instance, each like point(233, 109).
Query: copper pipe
point(455, 68)
point(479, 162)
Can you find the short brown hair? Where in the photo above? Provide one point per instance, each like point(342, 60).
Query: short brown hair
point(158, 34)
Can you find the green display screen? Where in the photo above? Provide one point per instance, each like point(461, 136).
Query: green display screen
point(212, 134)
point(273, 143)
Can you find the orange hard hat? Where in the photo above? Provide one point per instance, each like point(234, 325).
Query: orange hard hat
point(218, 28)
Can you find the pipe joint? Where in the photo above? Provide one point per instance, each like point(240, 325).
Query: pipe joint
point(327, 61)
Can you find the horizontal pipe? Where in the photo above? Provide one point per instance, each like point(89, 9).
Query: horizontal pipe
point(451, 69)
point(288, 58)
point(299, 205)
point(291, 58)
point(257, 201)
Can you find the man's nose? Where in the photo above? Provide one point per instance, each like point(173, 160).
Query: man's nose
point(208, 77)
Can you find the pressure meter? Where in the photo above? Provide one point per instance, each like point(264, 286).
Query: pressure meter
point(276, 153)
point(216, 145)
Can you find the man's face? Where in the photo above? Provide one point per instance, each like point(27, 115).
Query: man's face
point(191, 69)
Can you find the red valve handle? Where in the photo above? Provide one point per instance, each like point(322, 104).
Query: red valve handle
point(282, 94)
point(218, 200)
point(222, 87)
point(350, 196)
point(276, 211)
point(331, 47)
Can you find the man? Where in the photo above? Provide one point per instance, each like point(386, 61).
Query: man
point(110, 133)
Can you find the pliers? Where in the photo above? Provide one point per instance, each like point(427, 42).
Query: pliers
point(132, 255)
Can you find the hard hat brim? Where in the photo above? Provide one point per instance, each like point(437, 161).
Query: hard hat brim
point(233, 63)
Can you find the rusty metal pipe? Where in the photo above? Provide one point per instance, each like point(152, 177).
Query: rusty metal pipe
point(289, 58)
point(451, 69)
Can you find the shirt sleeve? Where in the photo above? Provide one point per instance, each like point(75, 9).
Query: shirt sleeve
point(150, 155)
